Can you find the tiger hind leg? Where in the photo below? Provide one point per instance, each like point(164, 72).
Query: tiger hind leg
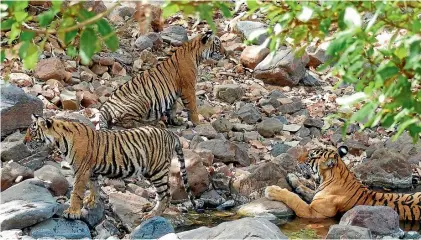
point(161, 184)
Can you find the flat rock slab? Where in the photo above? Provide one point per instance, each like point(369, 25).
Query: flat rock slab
point(61, 228)
point(264, 205)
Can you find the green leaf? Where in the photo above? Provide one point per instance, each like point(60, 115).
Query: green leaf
point(19, 5)
point(27, 36)
point(57, 4)
point(404, 126)
point(20, 16)
point(108, 34)
point(401, 52)
point(170, 10)
point(225, 9)
point(14, 32)
point(2, 55)
point(364, 112)
point(45, 18)
point(23, 50)
point(7, 24)
point(87, 45)
point(252, 4)
point(325, 25)
point(387, 71)
point(31, 58)
point(69, 36)
point(71, 51)
point(85, 15)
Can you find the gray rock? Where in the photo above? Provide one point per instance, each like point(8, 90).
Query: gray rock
point(195, 141)
point(225, 151)
point(222, 124)
point(372, 148)
point(245, 228)
point(291, 107)
point(282, 119)
point(26, 204)
point(264, 205)
point(253, 135)
point(404, 145)
point(355, 147)
point(381, 220)
point(283, 68)
point(206, 130)
point(228, 93)
point(348, 232)
point(291, 127)
point(121, 13)
point(226, 205)
point(153, 228)
point(14, 234)
point(315, 132)
point(60, 227)
point(303, 132)
point(75, 117)
point(106, 229)
point(16, 108)
point(94, 215)
point(317, 54)
point(57, 182)
point(269, 127)
point(252, 31)
point(35, 161)
point(175, 35)
point(412, 235)
point(275, 94)
point(143, 43)
point(286, 161)
point(14, 151)
point(242, 127)
point(156, 40)
point(385, 168)
point(248, 114)
point(313, 122)
point(310, 80)
point(10, 171)
point(212, 198)
point(302, 112)
point(279, 148)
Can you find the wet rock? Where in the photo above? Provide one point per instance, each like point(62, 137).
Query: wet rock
point(279, 148)
point(282, 69)
point(226, 205)
point(252, 31)
point(269, 127)
point(75, 117)
point(11, 171)
point(26, 204)
point(69, 100)
point(106, 229)
point(337, 231)
point(225, 151)
point(313, 122)
point(57, 182)
point(51, 68)
point(381, 220)
point(143, 42)
point(228, 93)
point(386, 168)
point(176, 35)
point(291, 127)
point(291, 107)
point(60, 227)
point(212, 198)
point(99, 69)
point(244, 228)
point(264, 205)
point(412, 235)
point(222, 124)
point(153, 228)
point(20, 79)
point(121, 13)
point(253, 55)
point(206, 130)
point(127, 206)
point(196, 173)
point(17, 108)
point(257, 177)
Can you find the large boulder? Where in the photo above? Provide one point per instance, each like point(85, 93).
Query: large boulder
point(252, 31)
point(253, 55)
point(11, 171)
point(152, 228)
point(226, 151)
point(14, 149)
point(175, 35)
point(197, 175)
point(283, 68)
point(16, 109)
point(381, 220)
point(348, 232)
point(26, 204)
point(60, 228)
point(386, 168)
point(245, 228)
point(57, 182)
point(264, 205)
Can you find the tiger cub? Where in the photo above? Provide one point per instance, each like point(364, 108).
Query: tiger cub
point(152, 94)
point(340, 190)
point(145, 151)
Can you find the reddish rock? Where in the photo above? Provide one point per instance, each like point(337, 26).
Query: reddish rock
point(20, 79)
point(99, 69)
point(57, 182)
point(69, 100)
point(87, 98)
point(118, 70)
point(106, 61)
point(253, 55)
point(11, 171)
point(51, 68)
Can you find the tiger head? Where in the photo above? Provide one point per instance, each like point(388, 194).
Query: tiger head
point(39, 133)
point(320, 160)
point(211, 47)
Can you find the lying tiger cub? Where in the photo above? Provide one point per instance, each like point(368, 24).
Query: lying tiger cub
point(145, 151)
point(339, 191)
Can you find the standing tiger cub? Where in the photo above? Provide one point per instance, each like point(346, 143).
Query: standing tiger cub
point(152, 94)
point(143, 151)
point(340, 190)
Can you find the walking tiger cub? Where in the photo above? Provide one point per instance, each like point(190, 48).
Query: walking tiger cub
point(151, 95)
point(143, 151)
point(339, 190)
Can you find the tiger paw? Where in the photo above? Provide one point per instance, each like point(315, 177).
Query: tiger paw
point(89, 201)
point(147, 207)
point(274, 192)
point(71, 213)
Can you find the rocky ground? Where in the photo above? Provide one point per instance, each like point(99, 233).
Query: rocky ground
point(257, 114)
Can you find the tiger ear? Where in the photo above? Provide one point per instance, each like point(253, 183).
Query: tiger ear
point(34, 117)
point(49, 123)
point(342, 150)
point(206, 36)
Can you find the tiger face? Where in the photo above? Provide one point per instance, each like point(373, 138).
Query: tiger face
point(322, 159)
point(37, 135)
point(212, 47)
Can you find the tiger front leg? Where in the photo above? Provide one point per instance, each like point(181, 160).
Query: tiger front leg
point(189, 100)
point(74, 210)
point(293, 201)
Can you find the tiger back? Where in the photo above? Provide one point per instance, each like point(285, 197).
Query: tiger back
point(340, 190)
point(152, 95)
point(145, 151)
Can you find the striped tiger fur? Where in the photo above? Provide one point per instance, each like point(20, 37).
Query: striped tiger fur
point(145, 151)
point(152, 95)
point(340, 190)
